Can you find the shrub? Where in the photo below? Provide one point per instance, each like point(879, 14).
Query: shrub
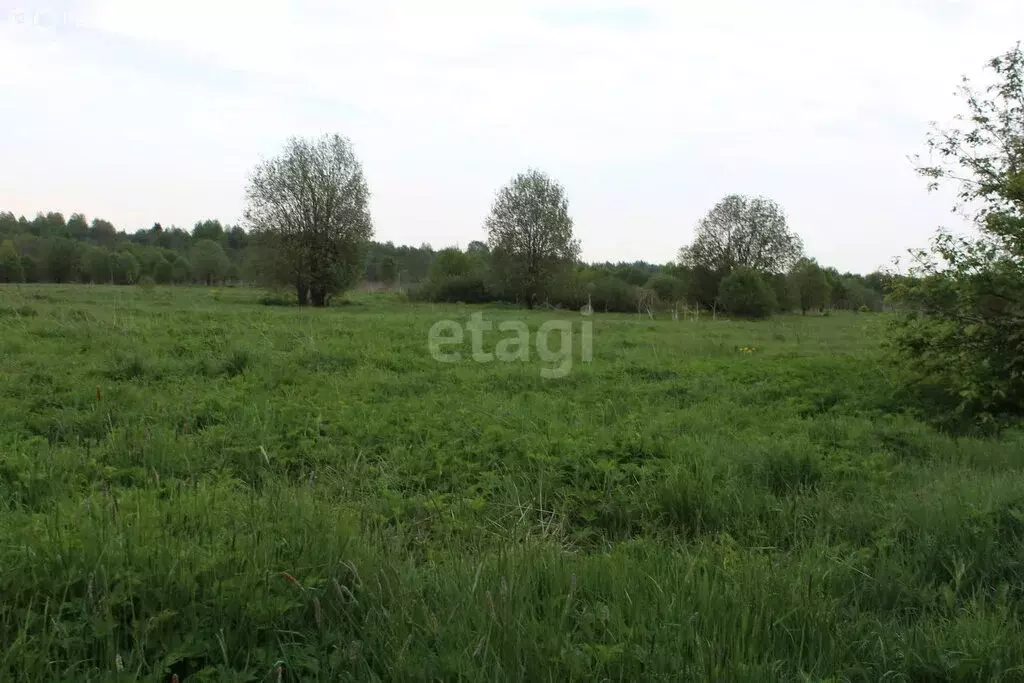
point(163, 271)
point(744, 293)
point(276, 300)
point(669, 289)
point(467, 289)
point(450, 263)
point(147, 282)
point(962, 343)
point(612, 295)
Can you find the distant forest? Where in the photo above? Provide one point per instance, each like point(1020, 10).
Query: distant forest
point(52, 248)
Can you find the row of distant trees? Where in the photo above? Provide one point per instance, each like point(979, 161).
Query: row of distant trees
point(743, 261)
point(769, 277)
point(49, 248)
point(310, 229)
point(52, 248)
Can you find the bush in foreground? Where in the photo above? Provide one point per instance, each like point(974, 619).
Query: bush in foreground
point(962, 344)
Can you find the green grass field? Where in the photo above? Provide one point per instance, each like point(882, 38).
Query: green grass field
point(194, 482)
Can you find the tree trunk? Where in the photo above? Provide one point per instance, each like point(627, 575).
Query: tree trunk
point(319, 296)
point(302, 290)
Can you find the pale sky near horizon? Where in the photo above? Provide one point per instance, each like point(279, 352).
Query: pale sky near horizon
point(647, 112)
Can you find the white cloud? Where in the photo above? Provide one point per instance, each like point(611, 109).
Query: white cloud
point(647, 111)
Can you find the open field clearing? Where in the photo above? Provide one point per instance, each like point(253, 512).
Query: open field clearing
point(194, 483)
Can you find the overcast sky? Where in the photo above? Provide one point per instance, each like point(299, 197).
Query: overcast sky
point(647, 112)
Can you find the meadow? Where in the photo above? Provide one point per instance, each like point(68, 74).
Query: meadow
point(194, 483)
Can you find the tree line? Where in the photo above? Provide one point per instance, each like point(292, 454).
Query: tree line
point(50, 248)
point(743, 261)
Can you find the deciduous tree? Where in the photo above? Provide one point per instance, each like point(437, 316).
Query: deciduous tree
point(309, 214)
point(810, 283)
point(963, 342)
point(209, 263)
point(10, 263)
point(530, 236)
point(743, 232)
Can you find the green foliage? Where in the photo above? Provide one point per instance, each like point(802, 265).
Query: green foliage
point(810, 282)
point(309, 208)
point(181, 271)
point(102, 233)
point(668, 288)
point(77, 227)
point(125, 268)
point(209, 263)
point(163, 271)
point(31, 267)
point(411, 263)
point(10, 264)
point(61, 260)
point(961, 345)
point(211, 230)
point(743, 232)
point(962, 342)
point(786, 295)
point(612, 295)
point(327, 499)
point(96, 265)
point(469, 288)
point(450, 263)
point(388, 272)
point(530, 236)
point(744, 293)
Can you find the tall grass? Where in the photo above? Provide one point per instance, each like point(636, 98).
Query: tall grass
point(196, 484)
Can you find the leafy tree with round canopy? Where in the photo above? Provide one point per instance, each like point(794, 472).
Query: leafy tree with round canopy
point(77, 226)
point(530, 236)
point(309, 213)
point(209, 262)
point(743, 232)
point(102, 232)
point(96, 265)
